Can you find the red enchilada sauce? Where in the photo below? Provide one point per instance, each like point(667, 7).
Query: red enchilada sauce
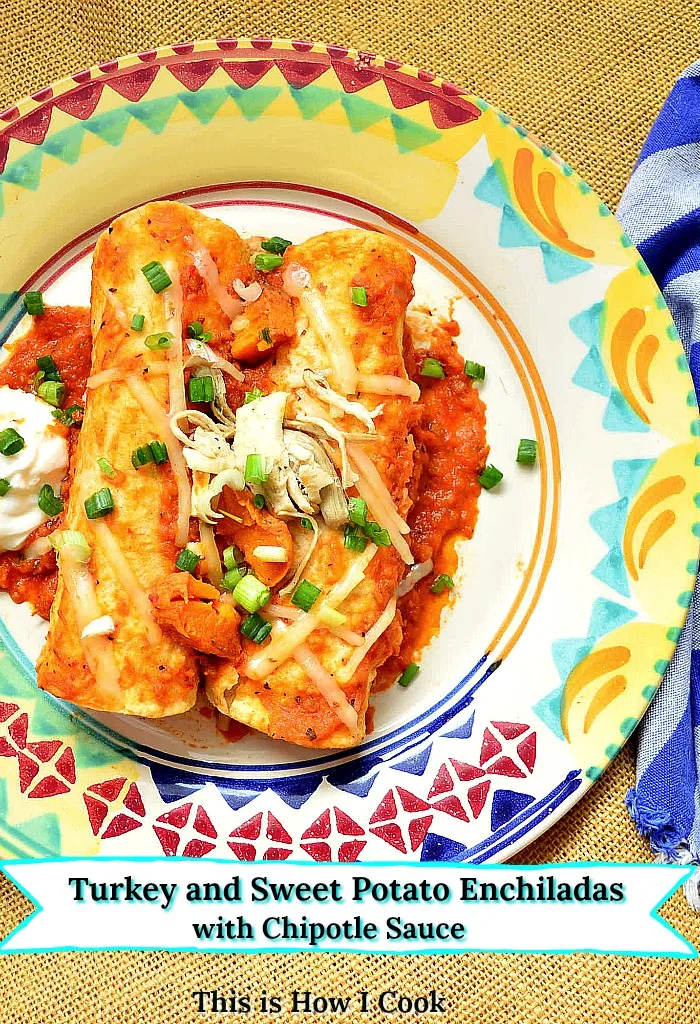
point(62, 332)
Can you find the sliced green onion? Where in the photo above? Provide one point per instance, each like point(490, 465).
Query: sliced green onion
point(266, 336)
point(255, 470)
point(357, 511)
point(5, 486)
point(408, 674)
point(201, 389)
point(71, 538)
point(195, 329)
point(233, 577)
point(250, 396)
point(159, 452)
point(270, 553)
point(137, 321)
point(474, 370)
point(53, 392)
point(331, 617)
point(48, 367)
point(490, 477)
point(157, 276)
point(34, 303)
point(230, 557)
point(275, 244)
point(142, 456)
point(106, 467)
point(358, 296)
point(251, 593)
point(306, 524)
point(99, 504)
point(38, 378)
point(442, 582)
point(377, 534)
point(255, 628)
point(354, 540)
point(49, 503)
point(527, 452)
point(305, 595)
point(159, 341)
point(266, 262)
point(259, 500)
point(10, 441)
point(187, 560)
point(69, 417)
point(432, 368)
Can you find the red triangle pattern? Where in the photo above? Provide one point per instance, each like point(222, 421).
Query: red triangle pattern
point(527, 751)
point(120, 825)
point(385, 810)
point(442, 783)
point(391, 834)
point(319, 851)
point(506, 766)
point(417, 831)
point(32, 128)
point(28, 770)
point(276, 853)
point(65, 766)
point(48, 786)
point(109, 790)
point(403, 95)
point(248, 830)
point(477, 796)
point(168, 840)
point(7, 711)
point(44, 750)
point(244, 851)
point(301, 72)
point(133, 801)
point(6, 748)
point(203, 824)
point(276, 832)
point(410, 803)
point(349, 852)
point(352, 78)
point(489, 748)
point(450, 115)
point(346, 825)
point(18, 730)
point(97, 812)
point(248, 73)
point(193, 74)
point(466, 772)
point(82, 102)
point(136, 84)
point(178, 817)
point(510, 730)
point(451, 805)
point(319, 829)
point(198, 848)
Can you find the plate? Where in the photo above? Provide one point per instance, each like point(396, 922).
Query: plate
point(574, 589)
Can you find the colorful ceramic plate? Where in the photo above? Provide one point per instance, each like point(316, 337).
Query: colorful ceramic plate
point(574, 589)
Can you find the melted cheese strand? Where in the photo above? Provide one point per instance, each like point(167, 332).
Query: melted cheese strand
point(208, 271)
point(127, 579)
point(118, 373)
point(372, 489)
point(283, 647)
point(283, 611)
point(159, 420)
point(326, 686)
point(348, 670)
point(369, 471)
point(386, 384)
point(173, 305)
point(212, 561)
point(334, 339)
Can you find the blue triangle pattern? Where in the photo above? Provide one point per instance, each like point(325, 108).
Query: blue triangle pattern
point(506, 804)
point(606, 616)
point(609, 521)
point(437, 847)
point(567, 653)
point(620, 418)
point(591, 374)
point(514, 232)
point(359, 788)
point(416, 764)
point(588, 325)
point(630, 474)
point(462, 732)
point(66, 144)
point(25, 172)
point(611, 570)
point(560, 266)
point(548, 710)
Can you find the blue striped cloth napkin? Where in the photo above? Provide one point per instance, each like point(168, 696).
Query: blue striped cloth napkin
point(660, 210)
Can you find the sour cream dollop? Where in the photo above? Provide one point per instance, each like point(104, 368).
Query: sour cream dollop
point(43, 460)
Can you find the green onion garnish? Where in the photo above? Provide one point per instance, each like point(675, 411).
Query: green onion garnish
point(157, 276)
point(49, 503)
point(250, 396)
point(275, 244)
point(70, 417)
point(474, 370)
point(432, 368)
point(99, 504)
point(358, 296)
point(255, 470)
point(490, 477)
point(408, 674)
point(48, 367)
point(442, 582)
point(142, 456)
point(5, 486)
point(38, 378)
point(34, 303)
point(255, 628)
point(306, 524)
point(229, 557)
point(377, 534)
point(267, 261)
point(527, 452)
point(10, 441)
point(160, 452)
point(187, 560)
point(354, 540)
point(106, 467)
point(195, 329)
point(158, 342)
point(53, 392)
point(259, 500)
point(233, 577)
point(251, 593)
point(266, 336)
point(201, 389)
point(357, 511)
point(305, 595)
point(137, 321)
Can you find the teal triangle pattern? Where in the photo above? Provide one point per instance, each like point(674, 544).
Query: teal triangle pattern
point(514, 232)
point(560, 266)
point(253, 103)
point(313, 99)
point(45, 831)
point(66, 144)
point(630, 474)
point(91, 752)
point(619, 417)
point(489, 189)
point(588, 325)
point(548, 710)
point(611, 571)
point(608, 615)
point(154, 114)
point(361, 113)
point(609, 521)
point(411, 136)
point(591, 374)
point(567, 653)
point(204, 104)
point(110, 126)
point(25, 172)
point(49, 721)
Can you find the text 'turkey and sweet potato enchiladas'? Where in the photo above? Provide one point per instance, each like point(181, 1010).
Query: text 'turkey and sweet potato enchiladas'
point(247, 465)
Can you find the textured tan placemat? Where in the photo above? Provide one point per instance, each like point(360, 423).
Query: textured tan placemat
point(588, 76)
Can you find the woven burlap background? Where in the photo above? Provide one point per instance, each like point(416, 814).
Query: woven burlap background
point(588, 77)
